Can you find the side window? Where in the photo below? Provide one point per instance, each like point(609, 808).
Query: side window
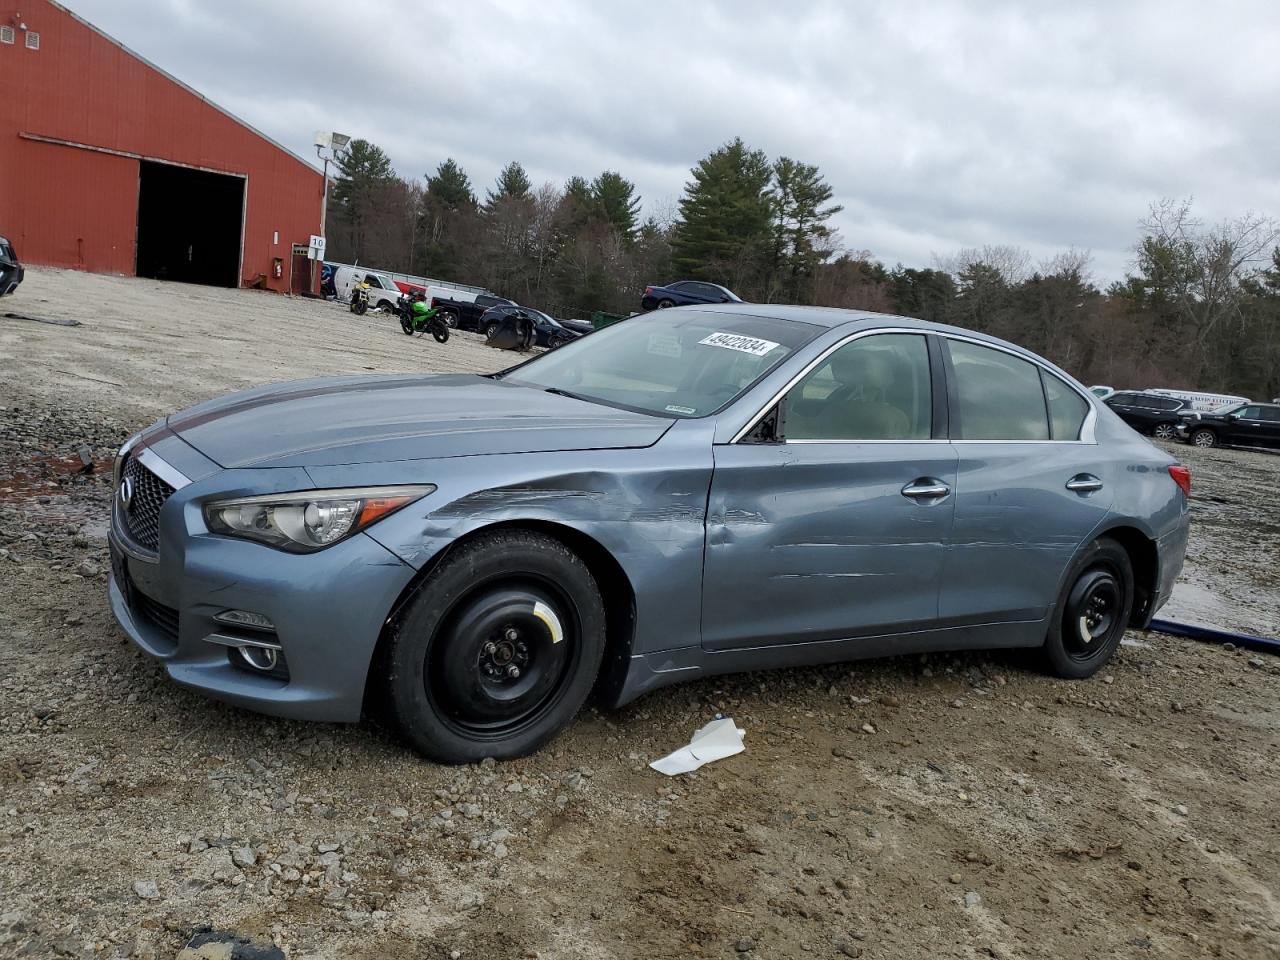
point(999, 396)
point(1251, 413)
point(1271, 413)
point(873, 388)
point(1120, 399)
point(1067, 409)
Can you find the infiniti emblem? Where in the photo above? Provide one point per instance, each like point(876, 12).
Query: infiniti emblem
point(126, 493)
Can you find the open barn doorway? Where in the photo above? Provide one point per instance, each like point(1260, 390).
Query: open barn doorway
point(190, 224)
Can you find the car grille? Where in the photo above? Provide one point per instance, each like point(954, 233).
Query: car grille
point(166, 618)
point(142, 516)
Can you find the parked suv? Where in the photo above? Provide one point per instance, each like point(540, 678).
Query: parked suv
point(1244, 425)
point(1148, 413)
point(11, 271)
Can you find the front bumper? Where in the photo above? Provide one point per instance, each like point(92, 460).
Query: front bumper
point(328, 609)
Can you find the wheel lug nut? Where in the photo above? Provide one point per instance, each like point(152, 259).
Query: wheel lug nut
point(491, 648)
point(513, 634)
point(513, 671)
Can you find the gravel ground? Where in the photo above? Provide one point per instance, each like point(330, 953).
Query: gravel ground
point(940, 806)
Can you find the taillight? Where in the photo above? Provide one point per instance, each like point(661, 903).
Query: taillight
point(1182, 477)
point(648, 290)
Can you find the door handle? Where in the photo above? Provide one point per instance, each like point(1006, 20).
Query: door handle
point(1084, 483)
point(926, 488)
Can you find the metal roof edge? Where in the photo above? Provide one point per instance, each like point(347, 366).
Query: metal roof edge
point(185, 86)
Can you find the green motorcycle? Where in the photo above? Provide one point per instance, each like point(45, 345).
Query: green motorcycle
point(416, 317)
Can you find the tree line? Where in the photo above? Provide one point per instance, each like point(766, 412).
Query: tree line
point(1201, 307)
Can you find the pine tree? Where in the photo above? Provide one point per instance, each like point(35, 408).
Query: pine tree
point(615, 202)
point(363, 166)
point(800, 226)
point(513, 184)
point(450, 187)
point(725, 216)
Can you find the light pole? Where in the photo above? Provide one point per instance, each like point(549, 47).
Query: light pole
point(336, 143)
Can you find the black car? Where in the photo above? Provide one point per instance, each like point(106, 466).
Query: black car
point(1243, 425)
point(577, 326)
point(684, 292)
point(1148, 413)
point(548, 331)
point(11, 272)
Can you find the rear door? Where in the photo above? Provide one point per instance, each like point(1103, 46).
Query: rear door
point(1124, 405)
point(1271, 429)
point(1031, 485)
point(1249, 427)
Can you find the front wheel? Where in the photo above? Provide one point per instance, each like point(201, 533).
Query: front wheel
point(1165, 431)
point(490, 330)
point(1204, 438)
point(359, 307)
point(407, 326)
point(497, 650)
point(1092, 613)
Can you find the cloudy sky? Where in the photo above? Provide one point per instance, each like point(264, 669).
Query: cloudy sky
point(940, 126)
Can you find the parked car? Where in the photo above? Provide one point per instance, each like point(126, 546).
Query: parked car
point(11, 272)
point(548, 332)
point(714, 490)
point(582, 327)
point(1244, 425)
point(684, 292)
point(465, 314)
point(1148, 413)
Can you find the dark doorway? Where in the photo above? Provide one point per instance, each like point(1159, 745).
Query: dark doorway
point(189, 225)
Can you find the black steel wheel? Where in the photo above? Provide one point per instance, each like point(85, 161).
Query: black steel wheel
point(359, 307)
point(1092, 612)
point(441, 332)
point(497, 650)
point(407, 326)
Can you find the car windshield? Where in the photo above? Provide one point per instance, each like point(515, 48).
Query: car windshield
point(676, 363)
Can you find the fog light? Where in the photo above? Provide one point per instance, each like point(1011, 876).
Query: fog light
point(243, 618)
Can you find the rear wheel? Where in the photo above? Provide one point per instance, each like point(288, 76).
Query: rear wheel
point(1204, 438)
point(664, 304)
point(1092, 613)
point(441, 332)
point(497, 650)
point(1165, 431)
point(449, 317)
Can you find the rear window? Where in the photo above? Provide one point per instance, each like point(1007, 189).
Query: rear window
point(999, 395)
point(1067, 409)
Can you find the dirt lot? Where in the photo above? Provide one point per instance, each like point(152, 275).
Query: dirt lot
point(944, 806)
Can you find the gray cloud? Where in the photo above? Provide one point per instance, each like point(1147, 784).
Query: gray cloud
point(940, 126)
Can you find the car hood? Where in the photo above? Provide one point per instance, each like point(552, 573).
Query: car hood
point(376, 419)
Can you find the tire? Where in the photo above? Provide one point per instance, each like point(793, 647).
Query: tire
point(385, 306)
point(449, 317)
point(1164, 431)
point(441, 332)
point(1092, 612)
point(451, 688)
point(665, 303)
point(407, 326)
point(490, 330)
point(557, 342)
point(1204, 437)
point(359, 307)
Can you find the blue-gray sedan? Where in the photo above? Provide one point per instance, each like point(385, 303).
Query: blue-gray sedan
point(686, 493)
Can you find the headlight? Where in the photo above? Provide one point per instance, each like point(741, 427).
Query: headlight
point(309, 520)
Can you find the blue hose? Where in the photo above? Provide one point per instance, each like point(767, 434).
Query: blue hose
point(1210, 635)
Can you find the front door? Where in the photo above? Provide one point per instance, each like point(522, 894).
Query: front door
point(839, 529)
point(1250, 426)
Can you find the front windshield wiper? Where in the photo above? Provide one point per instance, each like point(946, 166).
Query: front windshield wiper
point(565, 393)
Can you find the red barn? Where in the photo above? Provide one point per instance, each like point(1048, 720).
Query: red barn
point(109, 164)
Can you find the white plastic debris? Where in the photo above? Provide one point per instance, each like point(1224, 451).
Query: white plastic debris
point(718, 739)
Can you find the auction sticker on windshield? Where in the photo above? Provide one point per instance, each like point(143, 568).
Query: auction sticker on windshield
point(736, 341)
